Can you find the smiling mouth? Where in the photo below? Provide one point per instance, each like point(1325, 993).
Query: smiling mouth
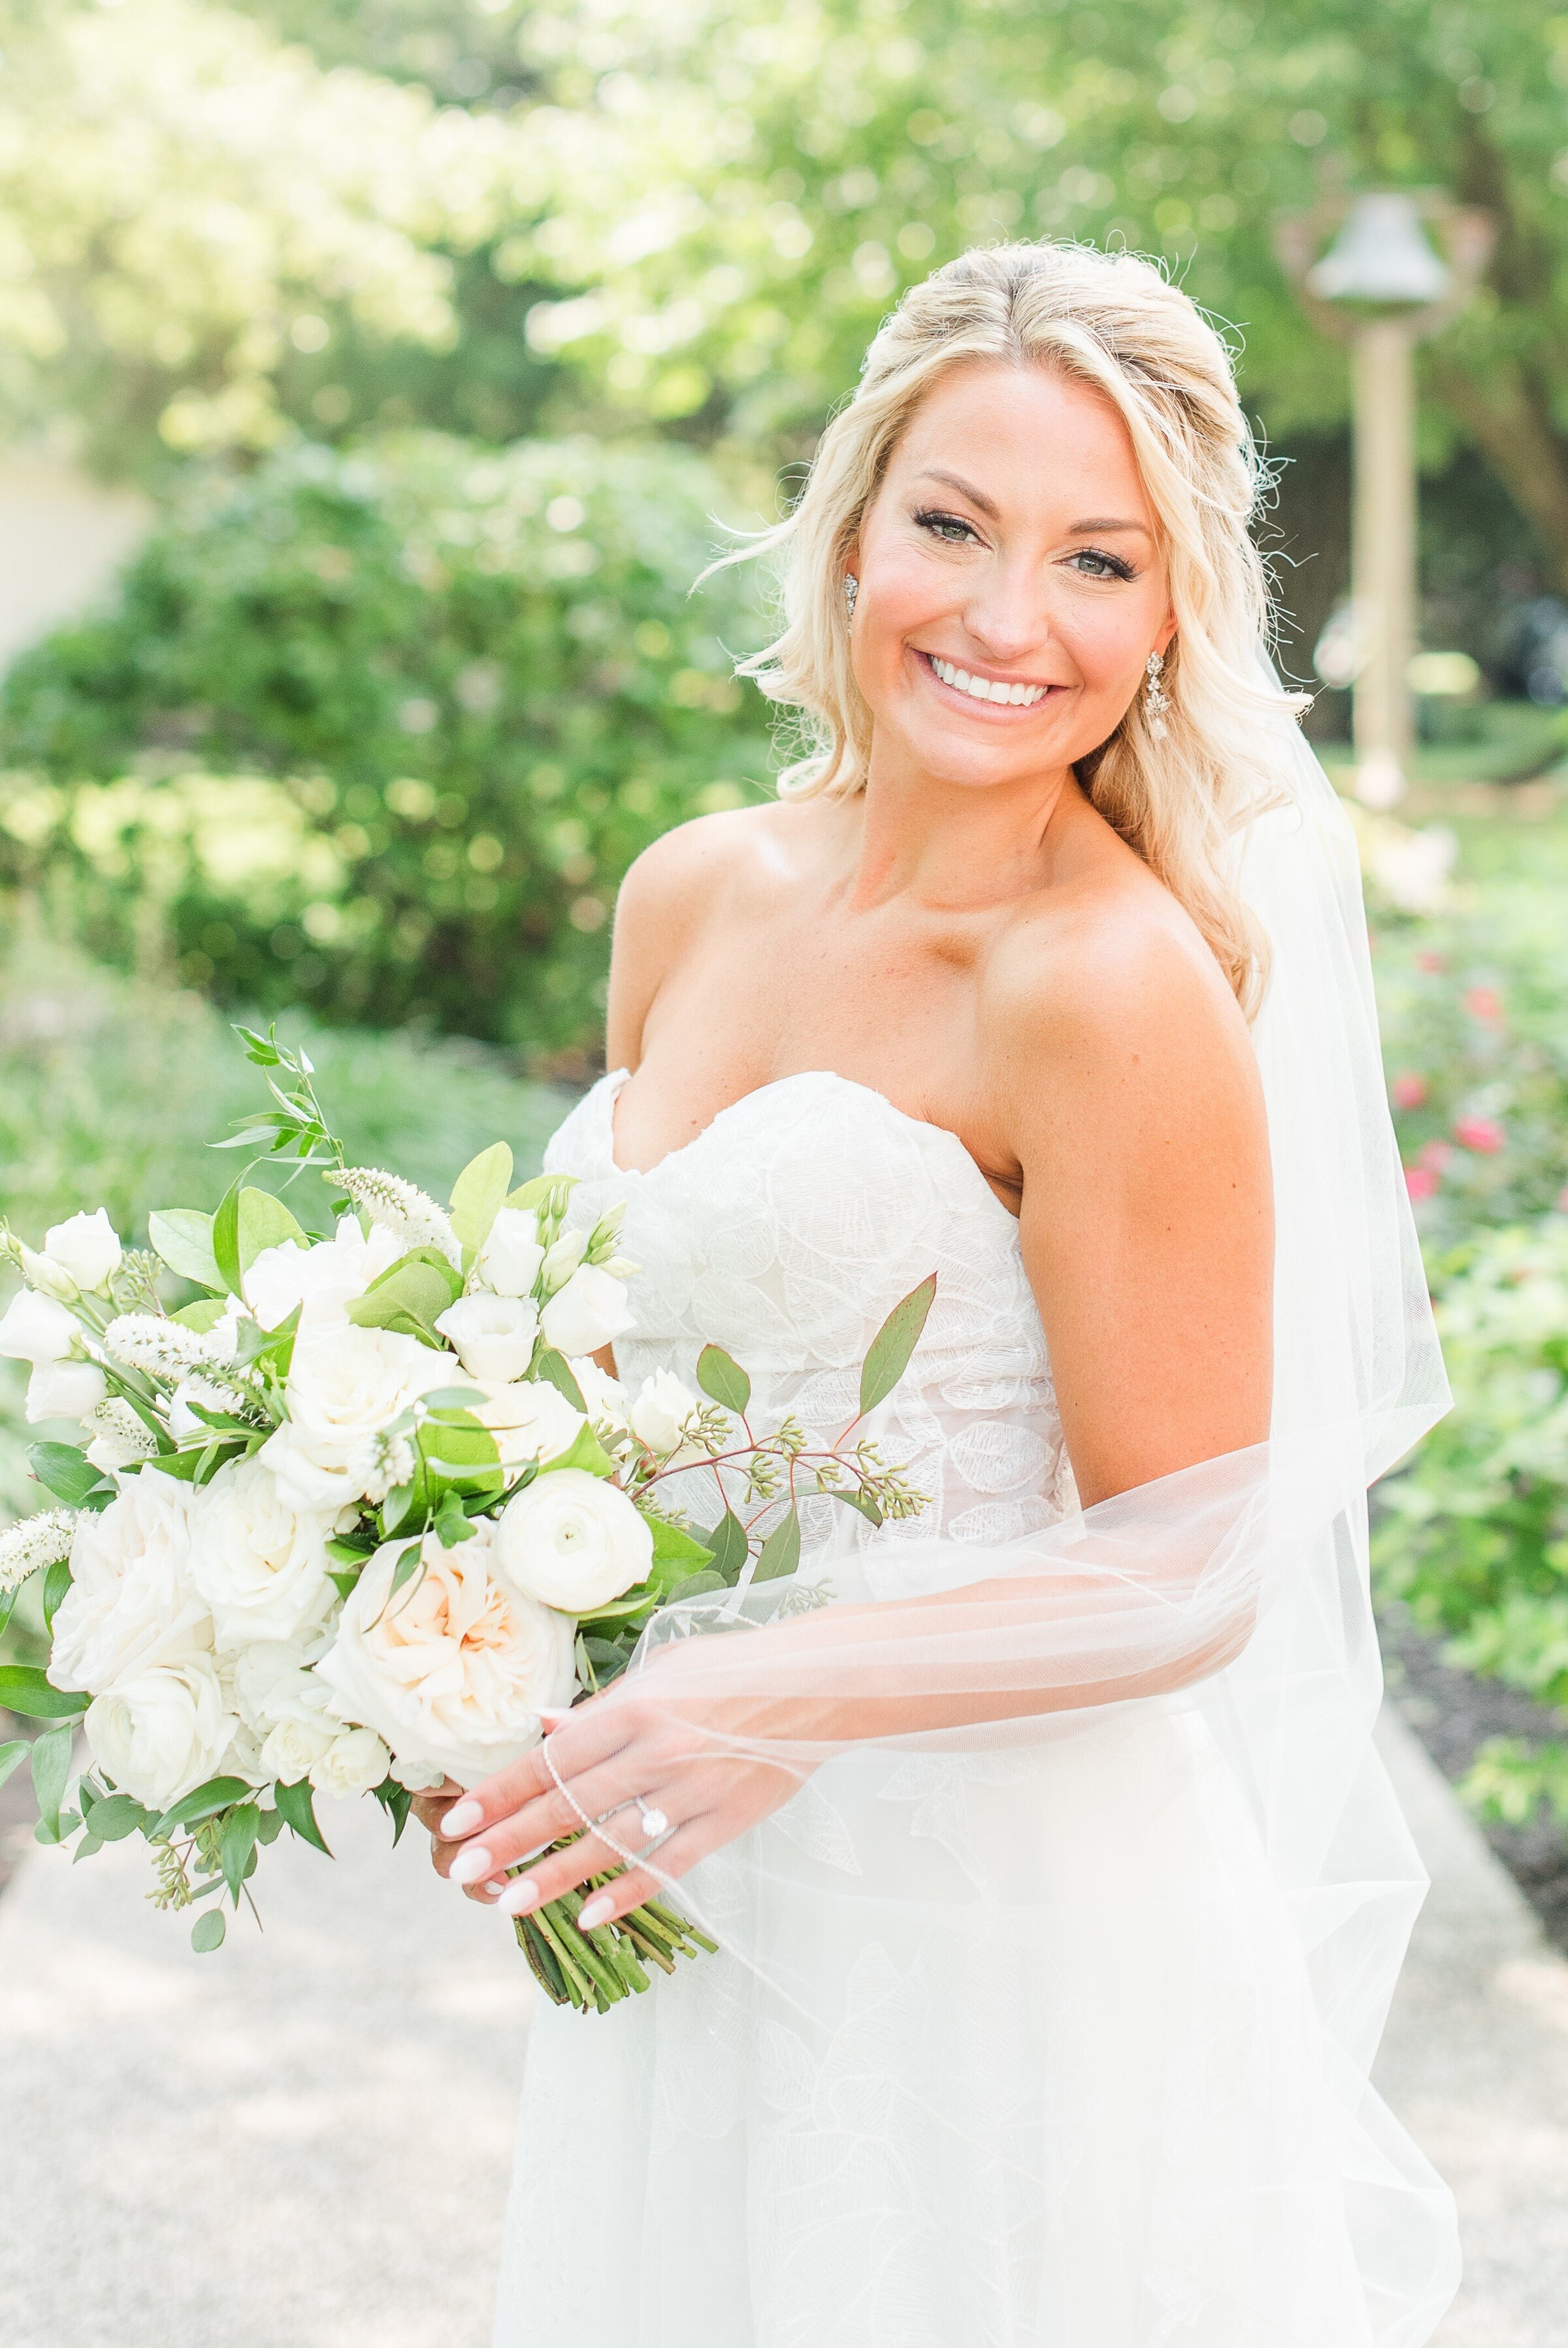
point(992, 692)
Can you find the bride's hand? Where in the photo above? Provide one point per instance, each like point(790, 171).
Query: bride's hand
point(610, 1754)
point(430, 1809)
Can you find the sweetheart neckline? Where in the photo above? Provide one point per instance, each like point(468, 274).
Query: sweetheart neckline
point(617, 1078)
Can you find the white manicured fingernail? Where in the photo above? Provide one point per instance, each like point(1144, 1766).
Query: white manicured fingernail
point(471, 1865)
point(594, 1912)
point(461, 1819)
point(520, 1897)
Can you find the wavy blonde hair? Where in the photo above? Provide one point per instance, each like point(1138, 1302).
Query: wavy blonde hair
point(1113, 322)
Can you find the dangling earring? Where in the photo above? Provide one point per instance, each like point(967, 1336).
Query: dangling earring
point(852, 589)
point(1156, 700)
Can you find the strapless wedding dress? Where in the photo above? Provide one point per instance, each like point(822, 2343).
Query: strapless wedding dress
point(1084, 2097)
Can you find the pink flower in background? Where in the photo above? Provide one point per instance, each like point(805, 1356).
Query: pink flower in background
point(1483, 1002)
point(1563, 1202)
point(1420, 1181)
point(1434, 1156)
point(1427, 960)
point(1479, 1133)
point(1410, 1090)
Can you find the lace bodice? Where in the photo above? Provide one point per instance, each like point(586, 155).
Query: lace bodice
point(786, 1233)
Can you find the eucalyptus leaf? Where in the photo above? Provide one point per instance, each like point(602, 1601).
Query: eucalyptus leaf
point(298, 1810)
point(201, 1802)
point(888, 1355)
point(182, 1236)
point(723, 1379)
point(853, 1498)
point(697, 1585)
point(479, 1195)
point(674, 1546)
point(12, 1756)
point(207, 1932)
point(25, 1690)
point(558, 1370)
point(237, 1845)
point(781, 1550)
point(729, 1547)
point(116, 1816)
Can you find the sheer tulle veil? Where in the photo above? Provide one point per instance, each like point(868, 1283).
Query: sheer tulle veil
point(1223, 1612)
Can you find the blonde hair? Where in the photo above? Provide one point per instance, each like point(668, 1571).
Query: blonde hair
point(1113, 322)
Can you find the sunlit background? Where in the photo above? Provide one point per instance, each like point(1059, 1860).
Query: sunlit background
point(374, 380)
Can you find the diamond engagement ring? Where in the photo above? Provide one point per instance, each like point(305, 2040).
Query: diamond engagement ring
point(655, 1822)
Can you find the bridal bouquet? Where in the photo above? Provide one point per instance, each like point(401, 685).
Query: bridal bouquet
point(348, 1520)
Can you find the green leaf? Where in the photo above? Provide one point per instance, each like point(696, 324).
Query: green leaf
point(237, 1845)
point(57, 1581)
point(8, 1601)
point(673, 1547)
point(887, 1358)
point(729, 1547)
point(12, 1756)
point(723, 1378)
point(781, 1551)
point(854, 1499)
point(25, 1690)
point(270, 1825)
point(264, 1222)
point(397, 1801)
point(116, 1816)
point(350, 1552)
point(205, 1314)
point(558, 1370)
point(542, 1191)
point(451, 1526)
point(183, 1238)
point(181, 1465)
point(298, 1809)
point(259, 1049)
point(226, 1241)
point(585, 1451)
point(65, 1470)
point(201, 1802)
point(479, 1195)
point(207, 1932)
point(410, 1296)
point(697, 1585)
point(457, 1452)
point(51, 1769)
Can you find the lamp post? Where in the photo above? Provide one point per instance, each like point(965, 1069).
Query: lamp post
point(1383, 288)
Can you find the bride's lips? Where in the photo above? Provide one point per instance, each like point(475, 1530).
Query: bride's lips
point(992, 709)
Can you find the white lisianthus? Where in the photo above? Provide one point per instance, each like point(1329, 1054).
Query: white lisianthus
point(294, 1747)
point(131, 1606)
point(511, 1257)
point(261, 1565)
point(38, 1329)
point(661, 1413)
point(453, 1671)
point(344, 1385)
point(161, 1732)
point(85, 1249)
point(529, 1420)
point(63, 1390)
point(573, 1542)
point(354, 1762)
point(119, 1436)
point(320, 1280)
point(589, 1312)
point(491, 1335)
point(604, 1395)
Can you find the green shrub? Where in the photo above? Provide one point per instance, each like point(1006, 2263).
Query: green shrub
point(379, 733)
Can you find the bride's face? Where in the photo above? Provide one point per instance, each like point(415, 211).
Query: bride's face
point(1011, 543)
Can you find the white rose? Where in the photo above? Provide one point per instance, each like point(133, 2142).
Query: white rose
point(36, 1329)
point(510, 1260)
point(273, 1683)
point(573, 1541)
point(261, 1565)
point(131, 1605)
point(529, 1420)
point(86, 1249)
point(604, 1395)
point(416, 1776)
point(63, 1390)
point(660, 1414)
point(492, 1335)
point(589, 1312)
point(345, 1384)
point(320, 1280)
point(292, 1750)
point(354, 1762)
point(452, 1673)
point(162, 1732)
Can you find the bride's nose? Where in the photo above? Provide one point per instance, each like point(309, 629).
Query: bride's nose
point(1008, 612)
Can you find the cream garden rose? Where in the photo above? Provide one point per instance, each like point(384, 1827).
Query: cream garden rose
point(161, 1732)
point(132, 1604)
point(344, 1385)
point(572, 1541)
point(453, 1671)
point(260, 1563)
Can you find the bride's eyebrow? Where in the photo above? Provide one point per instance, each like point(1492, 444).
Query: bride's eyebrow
point(1095, 525)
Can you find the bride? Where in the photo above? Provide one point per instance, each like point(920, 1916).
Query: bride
point(1058, 1891)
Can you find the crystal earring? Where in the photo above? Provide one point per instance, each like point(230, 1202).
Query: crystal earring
point(852, 589)
point(1156, 700)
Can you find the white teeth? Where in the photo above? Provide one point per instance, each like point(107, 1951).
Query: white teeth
point(984, 688)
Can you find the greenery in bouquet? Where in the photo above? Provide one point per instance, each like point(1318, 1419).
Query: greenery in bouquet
point(356, 1516)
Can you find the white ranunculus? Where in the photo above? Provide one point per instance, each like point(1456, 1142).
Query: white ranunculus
point(261, 1565)
point(38, 1329)
point(453, 1671)
point(591, 1311)
point(63, 1390)
point(162, 1732)
point(510, 1260)
point(320, 1280)
point(292, 1750)
point(354, 1762)
point(131, 1605)
point(85, 1248)
point(529, 1420)
point(573, 1542)
point(661, 1412)
point(344, 1385)
point(492, 1335)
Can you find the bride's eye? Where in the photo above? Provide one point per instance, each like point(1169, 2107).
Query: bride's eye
point(950, 528)
point(1101, 565)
